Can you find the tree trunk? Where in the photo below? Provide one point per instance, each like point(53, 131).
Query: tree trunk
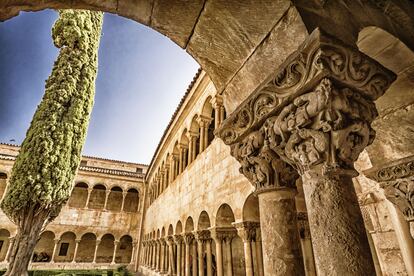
point(28, 234)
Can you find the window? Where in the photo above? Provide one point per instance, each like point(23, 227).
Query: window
point(64, 249)
point(139, 170)
point(84, 163)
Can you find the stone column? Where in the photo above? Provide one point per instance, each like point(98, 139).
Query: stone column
point(162, 257)
point(192, 138)
point(96, 251)
point(75, 253)
point(259, 253)
point(178, 241)
point(161, 181)
point(317, 119)
point(153, 254)
point(87, 199)
point(247, 232)
point(194, 258)
point(107, 192)
point(201, 237)
point(166, 175)
point(56, 242)
point(306, 244)
point(203, 122)
point(209, 258)
point(188, 239)
point(134, 252)
point(9, 249)
point(397, 180)
point(171, 265)
point(157, 255)
point(223, 237)
point(116, 243)
point(217, 103)
point(123, 200)
point(229, 258)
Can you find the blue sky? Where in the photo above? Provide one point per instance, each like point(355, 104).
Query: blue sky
point(142, 76)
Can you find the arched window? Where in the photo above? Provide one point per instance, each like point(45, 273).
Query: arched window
point(131, 201)
point(44, 247)
point(124, 252)
point(114, 199)
point(86, 248)
point(97, 198)
point(4, 243)
point(105, 249)
point(79, 195)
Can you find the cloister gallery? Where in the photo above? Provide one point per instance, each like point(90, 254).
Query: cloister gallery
point(291, 152)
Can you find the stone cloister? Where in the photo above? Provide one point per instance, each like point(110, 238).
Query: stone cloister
point(291, 152)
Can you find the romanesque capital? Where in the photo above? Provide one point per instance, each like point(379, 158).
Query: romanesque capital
point(178, 239)
point(397, 180)
point(188, 238)
point(170, 240)
point(202, 235)
point(217, 101)
point(223, 234)
point(163, 241)
point(314, 113)
point(192, 135)
point(247, 230)
point(204, 121)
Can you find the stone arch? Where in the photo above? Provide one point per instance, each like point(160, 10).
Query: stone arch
point(44, 247)
point(251, 209)
point(163, 232)
point(179, 228)
point(203, 221)
point(184, 144)
point(97, 197)
point(4, 243)
point(395, 106)
point(189, 225)
point(167, 171)
point(195, 131)
point(131, 200)
point(86, 248)
point(225, 216)
point(124, 252)
point(158, 234)
point(105, 249)
point(208, 115)
point(170, 230)
point(66, 247)
point(79, 195)
point(115, 199)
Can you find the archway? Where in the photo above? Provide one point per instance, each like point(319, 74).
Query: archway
point(3, 183)
point(86, 248)
point(115, 199)
point(105, 249)
point(225, 216)
point(131, 200)
point(189, 225)
point(251, 209)
point(66, 247)
point(4, 243)
point(203, 221)
point(97, 197)
point(44, 248)
point(124, 252)
point(79, 195)
point(179, 228)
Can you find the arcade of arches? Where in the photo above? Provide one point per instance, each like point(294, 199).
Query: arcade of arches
point(290, 154)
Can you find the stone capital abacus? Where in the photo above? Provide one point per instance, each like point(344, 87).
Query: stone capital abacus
point(203, 120)
point(202, 235)
point(223, 234)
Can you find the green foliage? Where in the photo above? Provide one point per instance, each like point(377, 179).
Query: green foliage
point(43, 174)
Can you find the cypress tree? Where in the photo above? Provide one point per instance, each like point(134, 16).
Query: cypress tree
point(43, 174)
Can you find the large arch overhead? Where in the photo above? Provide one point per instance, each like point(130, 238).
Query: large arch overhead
point(240, 43)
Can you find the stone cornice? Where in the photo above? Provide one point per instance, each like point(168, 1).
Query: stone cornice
point(321, 56)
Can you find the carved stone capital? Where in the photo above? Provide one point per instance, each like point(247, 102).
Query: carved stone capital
point(397, 180)
point(188, 238)
point(163, 241)
point(223, 234)
point(170, 240)
point(178, 239)
point(202, 235)
point(247, 230)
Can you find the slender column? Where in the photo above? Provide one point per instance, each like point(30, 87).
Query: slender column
point(75, 253)
point(161, 181)
point(123, 200)
point(9, 249)
point(116, 243)
point(192, 138)
point(194, 258)
point(229, 257)
point(306, 243)
point(188, 239)
point(153, 254)
point(162, 263)
point(95, 253)
point(107, 192)
point(247, 232)
point(259, 253)
point(88, 198)
point(166, 175)
point(178, 241)
point(157, 255)
point(217, 103)
point(203, 123)
point(220, 235)
point(134, 249)
point(171, 263)
point(201, 238)
point(209, 258)
point(183, 250)
point(56, 242)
